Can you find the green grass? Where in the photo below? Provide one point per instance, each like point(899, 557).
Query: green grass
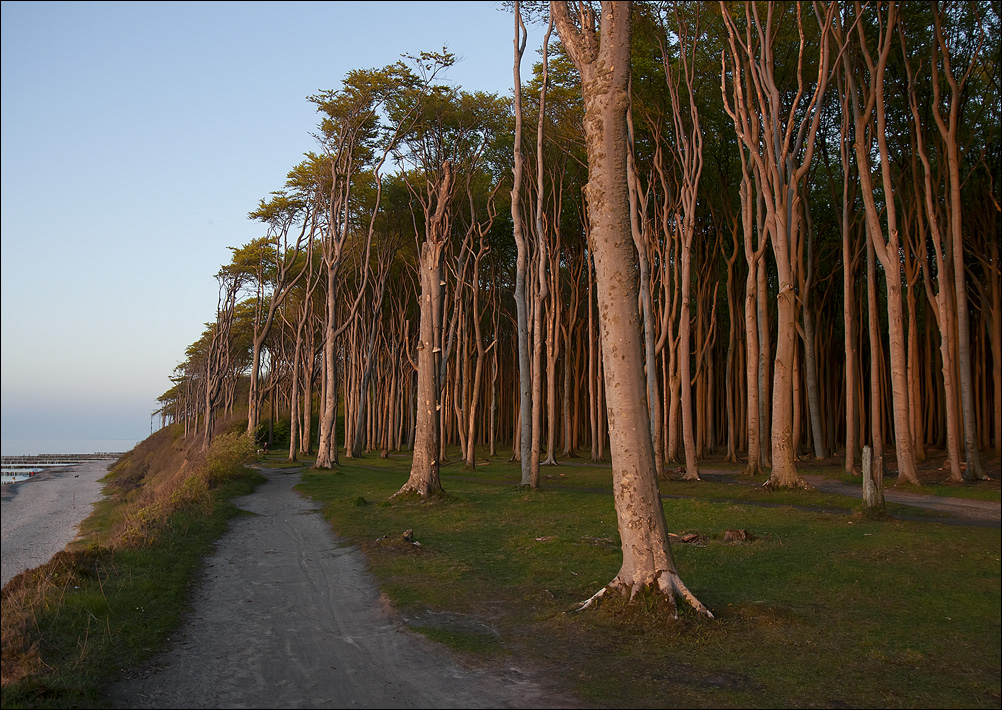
point(820, 609)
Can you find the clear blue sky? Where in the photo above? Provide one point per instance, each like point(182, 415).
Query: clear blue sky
point(136, 137)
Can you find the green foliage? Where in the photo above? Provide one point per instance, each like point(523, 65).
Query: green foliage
point(228, 454)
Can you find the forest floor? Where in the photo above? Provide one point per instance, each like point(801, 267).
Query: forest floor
point(935, 494)
point(286, 614)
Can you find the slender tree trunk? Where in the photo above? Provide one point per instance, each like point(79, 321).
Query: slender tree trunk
point(876, 349)
point(327, 446)
point(524, 439)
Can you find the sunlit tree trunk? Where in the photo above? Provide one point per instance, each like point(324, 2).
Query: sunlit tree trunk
point(604, 66)
point(424, 477)
point(948, 130)
point(524, 439)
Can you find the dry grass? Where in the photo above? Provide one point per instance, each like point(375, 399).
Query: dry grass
point(29, 595)
point(157, 479)
point(163, 477)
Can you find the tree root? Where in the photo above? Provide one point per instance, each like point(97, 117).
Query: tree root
point(422, 490)
point(800, 483)
point(668, 583)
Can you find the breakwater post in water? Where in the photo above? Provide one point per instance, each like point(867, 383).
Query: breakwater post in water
point(19, 468)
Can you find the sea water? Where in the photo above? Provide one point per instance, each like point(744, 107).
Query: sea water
point(34, 447)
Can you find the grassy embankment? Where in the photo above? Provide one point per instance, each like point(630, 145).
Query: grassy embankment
point(822, 608)
point(111, 598)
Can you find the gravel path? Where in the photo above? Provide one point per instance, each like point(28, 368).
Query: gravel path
point(39, 517)
point(286, 615)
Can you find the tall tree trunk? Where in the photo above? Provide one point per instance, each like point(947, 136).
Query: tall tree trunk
point(524, 440)
point(604, 67)
point(886, 250)
point(876, 350)
point(638, 229)
point(424, 477)
point(327, 446)
point(753, 358)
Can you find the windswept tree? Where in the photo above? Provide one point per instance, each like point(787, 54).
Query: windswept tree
point(271, 262)
point(354, 137)
point(449, 139)
point(217, 355)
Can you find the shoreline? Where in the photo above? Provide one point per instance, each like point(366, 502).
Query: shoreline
point(42, 515)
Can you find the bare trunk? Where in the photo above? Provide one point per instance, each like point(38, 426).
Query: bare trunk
point(604, 67)
point(521, 306)
point(327, 446)
point(424, 475)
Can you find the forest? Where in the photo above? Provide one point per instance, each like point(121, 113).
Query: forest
point(767, 232)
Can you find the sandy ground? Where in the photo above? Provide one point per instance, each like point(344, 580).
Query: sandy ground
point(286, 615)
point(39, 517)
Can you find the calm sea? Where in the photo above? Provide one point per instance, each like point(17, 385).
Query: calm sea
point(30, 447)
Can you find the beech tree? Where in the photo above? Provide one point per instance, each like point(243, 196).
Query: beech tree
point(841, 135)
point(779, 135)
point(352, 139)
point(600, 48)
point(271, 260)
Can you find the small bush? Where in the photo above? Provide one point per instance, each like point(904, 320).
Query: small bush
point(228, 454)
point(163, 477)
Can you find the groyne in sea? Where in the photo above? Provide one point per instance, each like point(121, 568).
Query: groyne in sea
point(22, 468)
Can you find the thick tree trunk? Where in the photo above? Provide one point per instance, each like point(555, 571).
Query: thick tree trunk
point(604, 67)
point(752, 345)
point(784, 467)
point(424, 476)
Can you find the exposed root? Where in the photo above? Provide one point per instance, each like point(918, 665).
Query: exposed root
point(422, 490)
point(592, 599)
point(799, 483)
point(670, 583)
point(667, 582)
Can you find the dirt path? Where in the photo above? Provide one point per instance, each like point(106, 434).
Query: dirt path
point(287, 615)
point(975, 512)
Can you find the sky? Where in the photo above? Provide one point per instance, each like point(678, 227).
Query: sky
point(136, 137)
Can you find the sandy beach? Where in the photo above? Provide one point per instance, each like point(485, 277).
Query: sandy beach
point(39, 517)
